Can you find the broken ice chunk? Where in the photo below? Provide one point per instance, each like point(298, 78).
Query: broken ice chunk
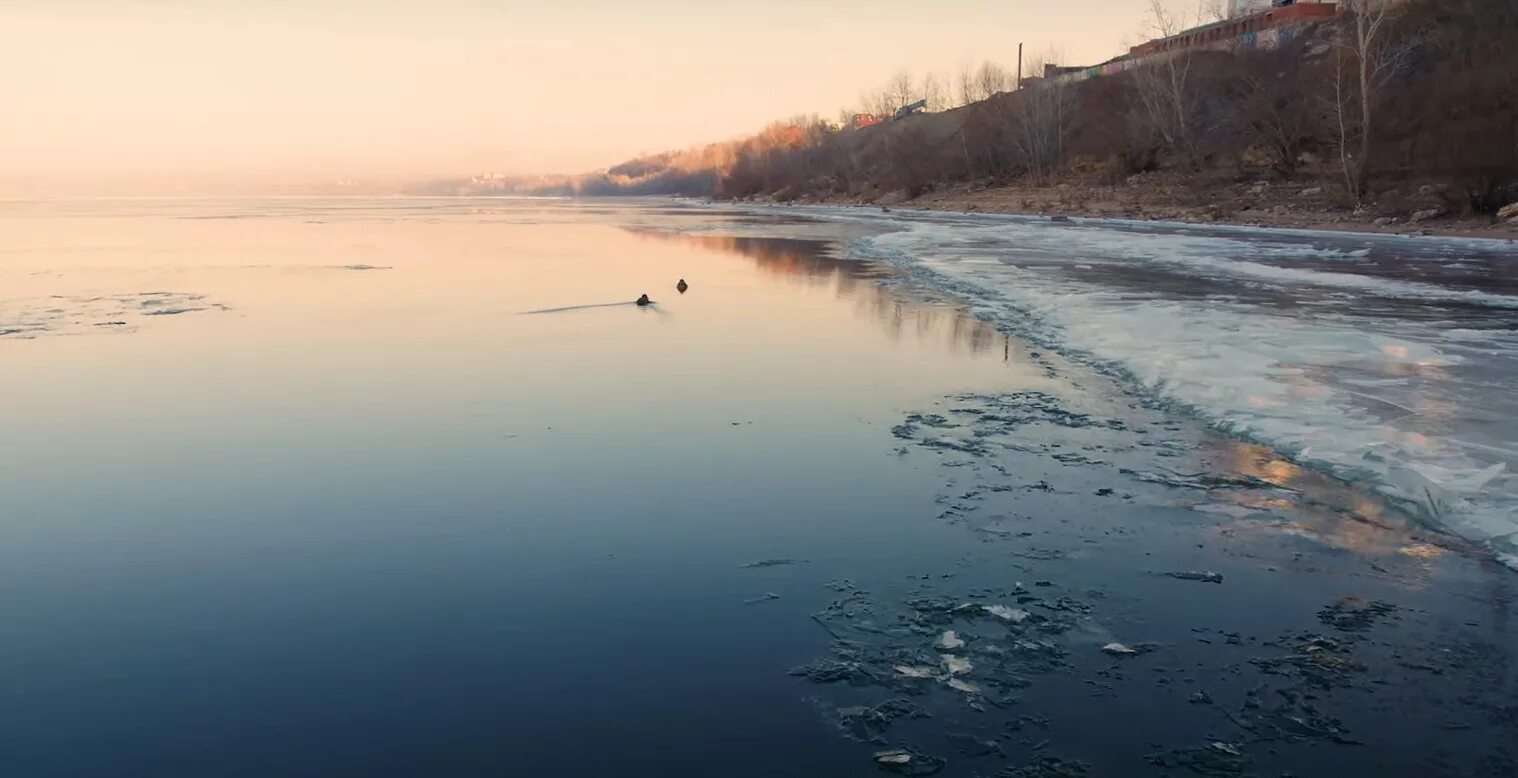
point(949, 641)
point(956, 666)
point(963, 686)
point(907, 762)
point(1009, 615)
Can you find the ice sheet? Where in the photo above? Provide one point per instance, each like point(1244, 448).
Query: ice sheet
point(1386, 360)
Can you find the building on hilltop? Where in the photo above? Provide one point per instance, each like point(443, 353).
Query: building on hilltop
point(1238, 8)
point(1052, 71)
point(1251, 24)
point(1263, 29)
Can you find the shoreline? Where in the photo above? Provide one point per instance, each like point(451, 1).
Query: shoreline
point(1300, 205)
point(1136, 562)
point(1141, 563)
point(1497, 552)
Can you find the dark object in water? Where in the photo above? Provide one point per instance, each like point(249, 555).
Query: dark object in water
point(682, 286)
point(643, 300)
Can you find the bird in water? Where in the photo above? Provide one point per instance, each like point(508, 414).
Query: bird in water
point(643, 300)
point(682, 286)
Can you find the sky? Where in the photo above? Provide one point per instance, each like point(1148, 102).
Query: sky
point(112, 97)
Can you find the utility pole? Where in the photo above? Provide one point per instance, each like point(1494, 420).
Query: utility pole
point(1019, 64)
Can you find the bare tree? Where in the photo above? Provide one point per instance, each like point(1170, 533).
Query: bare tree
point(986, 81)
point(1040, 119)
point(1367, 56)
point(1170, 17)
point(934, 91)
point(900, 89)
point(879, 102)
point(967, 88)
point(992, 79)
point(1164, 81)
point(1275, 107)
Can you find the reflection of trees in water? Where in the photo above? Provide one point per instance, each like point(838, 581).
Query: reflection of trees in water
point(813, 264)
point(1325, 509)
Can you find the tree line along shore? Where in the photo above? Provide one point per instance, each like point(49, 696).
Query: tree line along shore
point(1389, 115)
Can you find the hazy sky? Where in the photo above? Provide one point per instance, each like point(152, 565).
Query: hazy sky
point(123, 96)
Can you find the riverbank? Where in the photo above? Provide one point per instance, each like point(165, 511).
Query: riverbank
point(1417, 209)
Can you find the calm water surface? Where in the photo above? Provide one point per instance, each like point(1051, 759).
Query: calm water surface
point(357, 512)
point(322, 487)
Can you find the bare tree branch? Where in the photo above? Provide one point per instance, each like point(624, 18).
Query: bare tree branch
point(1040, 120)
point(1367, 47)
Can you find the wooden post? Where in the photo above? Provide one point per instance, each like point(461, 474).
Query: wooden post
point(1019, 65)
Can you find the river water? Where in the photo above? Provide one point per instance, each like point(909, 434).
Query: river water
point(409, 486)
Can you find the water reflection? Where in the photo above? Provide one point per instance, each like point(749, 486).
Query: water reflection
point(1284, 497)
point(387, 491)
point(1281, 498)
point(815, 264)
point(1312, 505)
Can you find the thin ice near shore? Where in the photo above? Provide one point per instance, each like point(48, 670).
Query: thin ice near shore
point(1379, 360)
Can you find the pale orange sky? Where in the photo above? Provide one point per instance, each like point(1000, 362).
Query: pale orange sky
point(170, 96)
